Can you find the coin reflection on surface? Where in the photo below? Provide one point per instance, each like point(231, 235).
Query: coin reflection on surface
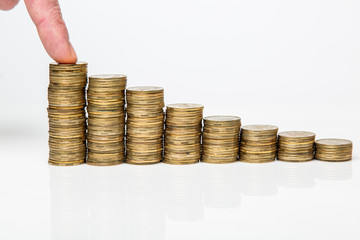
point(258, 179)
point(106, 202)
point(221, 185)
point(296, 175)
point(145, 202)
point(333, 170)
point(183, 192)
point(69, 211)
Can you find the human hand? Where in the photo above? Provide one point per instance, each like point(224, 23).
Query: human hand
point(46, 15)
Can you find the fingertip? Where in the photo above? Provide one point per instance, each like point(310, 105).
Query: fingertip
point(67, 58)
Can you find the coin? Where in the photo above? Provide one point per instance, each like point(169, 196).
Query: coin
point(67, 120)
point(221, 139)
point(333, 149)
point(106, 119)
point(258, 143)
point(183, 127)
point(144, 124)
point(296, 146)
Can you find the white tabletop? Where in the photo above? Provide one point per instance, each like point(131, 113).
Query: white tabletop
point(316, 200)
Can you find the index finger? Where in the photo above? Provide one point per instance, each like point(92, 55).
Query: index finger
point(46, 15)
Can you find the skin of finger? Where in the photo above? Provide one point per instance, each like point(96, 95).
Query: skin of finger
point(8, 4)
point(46, 15)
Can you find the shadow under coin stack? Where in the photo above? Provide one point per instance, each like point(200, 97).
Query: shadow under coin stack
point(106, 119)
point(67, 121)
point(333, 150)
point(145, 124)
point(296, 146)
point(183, 133)
point(220, 139)
point(258, 143)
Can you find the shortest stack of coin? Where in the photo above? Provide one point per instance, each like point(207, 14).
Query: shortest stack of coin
point(258, 143)
point(106, 120)
point(333, 149)
point(183, 127)
point(221, 139)
point(296, 146)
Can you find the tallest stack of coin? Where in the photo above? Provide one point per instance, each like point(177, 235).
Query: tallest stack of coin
point(67, 121)
point(106, 120)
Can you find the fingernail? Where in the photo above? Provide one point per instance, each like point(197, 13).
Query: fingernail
point(73, 53)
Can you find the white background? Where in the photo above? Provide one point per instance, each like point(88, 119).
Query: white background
point(294, 64)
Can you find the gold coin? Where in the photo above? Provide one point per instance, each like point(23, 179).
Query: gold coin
point(333, 149)
point(220, 142)
point(106, 122)
point(183, 126)
point(67, 120)
point(296, 146)
point(258, 143)
point(145, 124)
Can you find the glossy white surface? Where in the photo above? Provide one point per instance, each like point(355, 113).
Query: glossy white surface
point(313, 200)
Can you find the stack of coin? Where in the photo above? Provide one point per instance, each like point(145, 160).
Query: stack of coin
point(145, 124)
point(296, 146)
point(106, 119)
point(333, 149)
point(183, 133)
point(67, 121)
point(258, 143)
point(220, 139)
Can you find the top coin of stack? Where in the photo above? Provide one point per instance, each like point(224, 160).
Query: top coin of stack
point(258, 143)
point(67, 122)
point(333, 149)
point(145, 124)
point(221, 139)
point(106, 119)
point(183, 133)
point(296, 146)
